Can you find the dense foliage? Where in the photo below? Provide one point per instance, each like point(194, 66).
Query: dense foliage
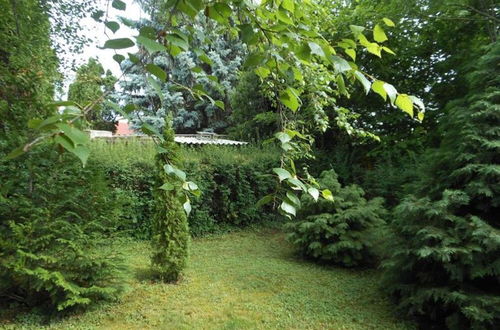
point(342, 231)
point(446, 268)
point(231, 182)
point(93, 85)
point(169, 230)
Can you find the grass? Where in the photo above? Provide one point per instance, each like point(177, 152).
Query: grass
point(241, 280)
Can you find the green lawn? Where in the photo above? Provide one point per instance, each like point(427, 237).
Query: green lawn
point(248, 279)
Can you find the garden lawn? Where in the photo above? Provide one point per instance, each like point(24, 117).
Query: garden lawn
point(241, 280)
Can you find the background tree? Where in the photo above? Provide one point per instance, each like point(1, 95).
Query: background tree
point(92, 84)
point(446, 267)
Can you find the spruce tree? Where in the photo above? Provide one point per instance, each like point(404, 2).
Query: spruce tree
point(170, 237)
point(446, 268)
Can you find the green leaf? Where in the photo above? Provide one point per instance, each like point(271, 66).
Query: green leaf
point(282, 173)
point(391, 92)
point(82, 152)
point(151, 45)
point(15, 153)
point(187, 207)
point(316, 49)
point(288, 208)
point(293, 198)
point(223, 9)
point(118, 58)
point(176, 41)
point(156, 87)
point(290, 98)
point(113, 26)
point(314, 193)
point(262, 71)
point(157, 71)
point(327, 194)
point(379, 34)
point(288, 5)
point(352, 53)
point(264, 200)
point(418, 102)
point(340, 64)
point(151, 131)
point(248, 35)
point(363, 80)
point(204, 58)
point(296, 184)
point(283, 16)
point(356, 29)
point(388, 50)
point(77, 136)
point(167, 187)
point(405, 103)
point(120, 43)
point(374, 49)
point(220, 105)
point(388, 22)
point(421, 115)
point(378, 87)
point(118, 4)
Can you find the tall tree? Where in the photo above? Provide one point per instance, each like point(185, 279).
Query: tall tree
point(93, 84)
point(446, 268)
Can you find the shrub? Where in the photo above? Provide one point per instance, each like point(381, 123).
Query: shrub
point(231, 181)
point(340, 232)
point(56, 219)
point(445, 269)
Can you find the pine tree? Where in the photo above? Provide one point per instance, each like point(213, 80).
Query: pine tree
point(170, 232)
point(446, 268)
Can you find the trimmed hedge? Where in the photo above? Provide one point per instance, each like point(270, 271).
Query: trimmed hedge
point(231, 180)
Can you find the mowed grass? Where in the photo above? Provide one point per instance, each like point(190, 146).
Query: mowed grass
point(242, 280)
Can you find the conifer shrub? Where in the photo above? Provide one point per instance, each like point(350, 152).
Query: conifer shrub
point(445, 269)
point(56, 222)
point(342, 231)
point(170, 231)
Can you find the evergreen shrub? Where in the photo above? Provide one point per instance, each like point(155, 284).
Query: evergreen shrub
point(56, 223)
point(343, 231)
point(445, 269)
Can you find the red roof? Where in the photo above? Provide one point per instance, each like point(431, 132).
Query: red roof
point(123, 128)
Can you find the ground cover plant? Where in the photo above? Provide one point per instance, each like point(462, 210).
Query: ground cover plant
point(241, 280)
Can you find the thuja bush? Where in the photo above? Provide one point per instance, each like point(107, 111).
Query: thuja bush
point(231, 182)
point(342, 231)
point(445, 269)
point(56, 223)
point(170, 232)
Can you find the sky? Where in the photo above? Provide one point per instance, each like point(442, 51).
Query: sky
point(95, 31)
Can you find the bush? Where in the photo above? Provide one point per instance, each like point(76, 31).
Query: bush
point(445, 269)
point(341, 232)
point(56, 219)
point(231, 181)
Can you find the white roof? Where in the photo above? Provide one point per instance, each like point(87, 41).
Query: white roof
point(203, 140)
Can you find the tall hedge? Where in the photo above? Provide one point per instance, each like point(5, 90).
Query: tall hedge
point(231, 181)
point(446, 268)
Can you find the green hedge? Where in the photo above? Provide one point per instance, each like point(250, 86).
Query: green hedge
point(232, 180)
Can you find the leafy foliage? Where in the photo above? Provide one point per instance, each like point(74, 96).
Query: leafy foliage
point(339, 231)
point(170, 232)
point(231, 182)
point(446, 269)
point(90, 85)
